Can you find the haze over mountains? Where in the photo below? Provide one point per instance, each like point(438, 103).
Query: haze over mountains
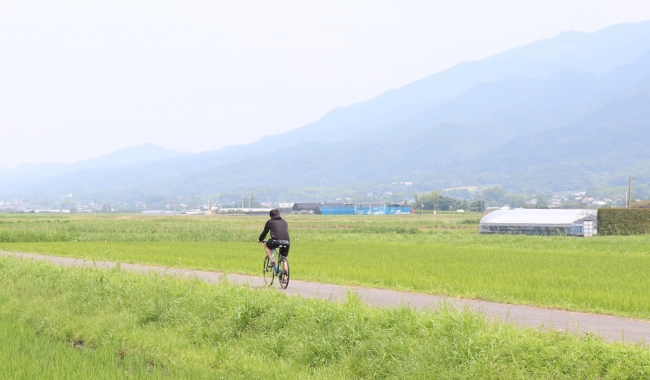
point(145, 153)
point(569, 112)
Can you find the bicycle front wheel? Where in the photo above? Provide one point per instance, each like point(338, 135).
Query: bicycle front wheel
point(269, 272)
point(283, 276)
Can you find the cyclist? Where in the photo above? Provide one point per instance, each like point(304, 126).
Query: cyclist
point(279, 229)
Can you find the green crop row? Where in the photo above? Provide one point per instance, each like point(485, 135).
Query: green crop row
point(619, 221)
point(605, 275)
point(85, 323)
point(84, 228)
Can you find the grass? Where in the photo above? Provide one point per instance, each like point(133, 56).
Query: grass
point(26, 355)
point(438, 254)
point(69, 322)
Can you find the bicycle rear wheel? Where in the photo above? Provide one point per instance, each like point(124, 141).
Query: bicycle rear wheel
point(283, 276)
point(269, 273)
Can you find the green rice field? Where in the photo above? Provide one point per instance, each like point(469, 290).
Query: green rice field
point(67, 323)
point(438, 254)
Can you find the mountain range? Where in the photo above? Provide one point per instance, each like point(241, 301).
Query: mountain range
point(568, 112)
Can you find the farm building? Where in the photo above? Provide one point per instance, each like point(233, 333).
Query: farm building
point(576, 222)
point(362, 209)
point(350, 208)
point(305, 208)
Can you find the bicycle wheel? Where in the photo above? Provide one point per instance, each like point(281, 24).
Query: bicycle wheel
point(269, 273)
point(283, 277)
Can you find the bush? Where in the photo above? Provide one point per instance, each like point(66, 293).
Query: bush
point(620, 221)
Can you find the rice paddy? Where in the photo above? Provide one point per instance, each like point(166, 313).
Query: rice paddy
point(438, 254)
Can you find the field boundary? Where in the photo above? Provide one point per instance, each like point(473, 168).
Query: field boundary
point(608, 327)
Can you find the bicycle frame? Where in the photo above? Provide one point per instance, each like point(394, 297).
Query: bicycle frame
point(276, 259)
point(280, 269)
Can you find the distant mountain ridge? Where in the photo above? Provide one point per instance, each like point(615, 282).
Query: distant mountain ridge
point(144, 153)
point(130, 155)
point(597, 53)
point(451, 129)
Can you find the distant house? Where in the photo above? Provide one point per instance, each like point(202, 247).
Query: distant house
point(305, 208)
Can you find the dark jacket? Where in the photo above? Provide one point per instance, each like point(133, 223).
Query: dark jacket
point(278, 227)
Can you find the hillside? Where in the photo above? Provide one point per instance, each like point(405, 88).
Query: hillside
point(600, 150)
point(444, 154)
point(490, 121)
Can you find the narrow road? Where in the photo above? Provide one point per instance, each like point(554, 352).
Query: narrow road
point(610, 328)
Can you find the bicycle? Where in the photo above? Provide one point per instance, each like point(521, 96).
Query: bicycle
point(278, 270)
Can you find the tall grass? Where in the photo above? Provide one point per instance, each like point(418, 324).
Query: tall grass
point(177, 327)
point(24, 354)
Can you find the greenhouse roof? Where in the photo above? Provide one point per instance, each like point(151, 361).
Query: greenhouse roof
point(535, 217)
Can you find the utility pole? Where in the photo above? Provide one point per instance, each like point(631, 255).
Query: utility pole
point(629, 191)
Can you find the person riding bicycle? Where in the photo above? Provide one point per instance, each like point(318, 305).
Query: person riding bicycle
point(279, 229)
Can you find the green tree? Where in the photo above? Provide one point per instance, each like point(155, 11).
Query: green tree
point(493, 193)
point(477, 206)
point(427, 201)
point(514, 200)
point(254, 203)
point(435, 201)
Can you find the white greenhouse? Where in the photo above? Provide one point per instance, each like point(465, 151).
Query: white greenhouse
point(575, 222)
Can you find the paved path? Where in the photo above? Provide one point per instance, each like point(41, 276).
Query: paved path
point(610, 328)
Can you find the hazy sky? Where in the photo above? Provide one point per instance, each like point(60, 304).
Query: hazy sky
point(80, 79)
